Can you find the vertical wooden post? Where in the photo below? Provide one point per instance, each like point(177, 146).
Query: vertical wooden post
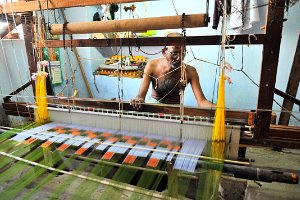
point(269, 66)
point(292, 87)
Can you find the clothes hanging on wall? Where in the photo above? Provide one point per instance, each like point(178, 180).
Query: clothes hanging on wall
point(218, 11)
point(244, 14)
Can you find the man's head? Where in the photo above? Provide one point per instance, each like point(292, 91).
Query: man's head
point(174, 54)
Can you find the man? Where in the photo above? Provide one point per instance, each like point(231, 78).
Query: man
point(165, 76)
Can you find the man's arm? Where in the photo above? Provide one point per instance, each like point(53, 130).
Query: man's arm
point(140, 98)
point(195, 83)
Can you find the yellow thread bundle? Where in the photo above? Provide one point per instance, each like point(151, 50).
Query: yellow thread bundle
point(219, 123)
point(41, 114)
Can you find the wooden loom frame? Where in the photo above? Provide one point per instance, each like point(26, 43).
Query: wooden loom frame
point(265, 133)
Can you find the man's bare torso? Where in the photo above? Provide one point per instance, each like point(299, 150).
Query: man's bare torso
point(166, 82)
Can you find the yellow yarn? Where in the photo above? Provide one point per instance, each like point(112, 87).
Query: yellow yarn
point(219, 123)
point(41, 114)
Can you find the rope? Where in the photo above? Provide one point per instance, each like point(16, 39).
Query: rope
point(64, 34)
point(183, 78)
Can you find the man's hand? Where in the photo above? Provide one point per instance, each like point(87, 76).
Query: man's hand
point(137, 102)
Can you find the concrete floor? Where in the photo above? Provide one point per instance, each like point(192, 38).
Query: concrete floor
point(285, 160)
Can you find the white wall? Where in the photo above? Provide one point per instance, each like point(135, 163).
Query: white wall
point(14, 72)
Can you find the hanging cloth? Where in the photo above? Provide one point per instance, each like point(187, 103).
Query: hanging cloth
point(218, 11)
point(244, 14)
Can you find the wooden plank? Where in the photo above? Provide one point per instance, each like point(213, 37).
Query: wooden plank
point(17, 106)
point(151, 108)
point(281, 131)
point(154, 41)
point(292, 87)
point(269, 66)
point(22, 114)
point(288, 97)
point(55, 4)
point(282, 143)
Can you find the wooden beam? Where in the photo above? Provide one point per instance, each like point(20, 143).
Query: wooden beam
point(154, 41)
point(55, 4)
point(23, 87)
point(140, 24)
point(282, 131)
point(17, 106)
point(287, 97)
point(292, 88)
point(238, 116)
point(269, 66)
point(282, 143)
point(19, 114)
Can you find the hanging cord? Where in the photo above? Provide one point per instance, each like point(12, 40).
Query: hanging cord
point(120, 79)
point(242, 70)
point(207, 12)
point(175, 7)
point(201, 60)
point(43, 18)
point(183, 78)
point(156, 79)
point(64, 34)
point(139, 48)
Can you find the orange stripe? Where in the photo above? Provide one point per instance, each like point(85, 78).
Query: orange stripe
point(108, 155)
point(105, 135)
point(152, 144)
point(27, 141)
point(58, 127)
point(92, 135)
point(32, 140)
point(89, 132)
point(59, 131)
point(74, 129)
point(144, 140)
point(127, 159)
point(63, 147)
point(80, 151)
point(126, 137)
point(112, 139)
point(132, 159)
point(165, 142)
point(131, 141)
point(75, 133)
point(46, 144)
point(177, 147)
point(153, 162)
